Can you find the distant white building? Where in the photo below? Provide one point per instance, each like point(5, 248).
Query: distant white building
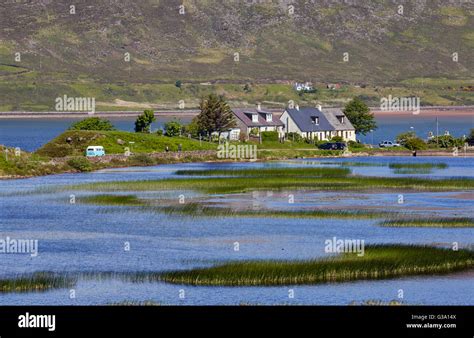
point(303, 86)
point(313, 123)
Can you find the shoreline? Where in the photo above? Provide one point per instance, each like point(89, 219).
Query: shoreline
point(441, 111)
point(174, 160)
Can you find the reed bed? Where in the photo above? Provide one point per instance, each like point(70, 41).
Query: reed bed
point(270, 172)
point(128, 200)
point(444, 222)
point(226, 185)
point(39, 281)
point(379, 262)
point(418, 166)
point(198, 210)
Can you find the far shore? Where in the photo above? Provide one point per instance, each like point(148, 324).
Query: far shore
point(432, 111)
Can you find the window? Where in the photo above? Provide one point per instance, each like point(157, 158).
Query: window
point(315, 120)
point(341, 119)
point(269, 117)
point(254, 118)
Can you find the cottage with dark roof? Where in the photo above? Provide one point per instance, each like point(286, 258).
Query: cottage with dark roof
point(313, 123)
point(254, 121)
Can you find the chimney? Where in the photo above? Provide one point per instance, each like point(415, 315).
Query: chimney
point(320, 108)
point(297, 107)
point(259, 107)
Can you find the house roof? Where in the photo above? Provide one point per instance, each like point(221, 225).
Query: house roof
point(246, 117)
point(328, 120)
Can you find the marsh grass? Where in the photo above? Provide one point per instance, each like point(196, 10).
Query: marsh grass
point(224, 185)
point(379, 262)
point(128, 200)
point(418, 166)
point(270, 172)
point(197, 210)
point(446, 222)
point(39, 281)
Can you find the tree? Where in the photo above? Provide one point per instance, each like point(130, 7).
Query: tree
point(144, 121)
point(359, 114)
point(92, 123)
point(173, 128)
point(178, 84)
point(215, 115)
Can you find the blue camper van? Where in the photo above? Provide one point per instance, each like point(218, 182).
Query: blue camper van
point(93, 151)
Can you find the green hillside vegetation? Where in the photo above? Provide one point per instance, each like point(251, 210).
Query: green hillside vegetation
point(83, 54)
point(117, 142)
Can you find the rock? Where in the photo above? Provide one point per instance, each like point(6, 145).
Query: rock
point(120, 141)
point(69, 140)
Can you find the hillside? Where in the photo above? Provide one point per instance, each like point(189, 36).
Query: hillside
point(82, 54)
point(117, 142)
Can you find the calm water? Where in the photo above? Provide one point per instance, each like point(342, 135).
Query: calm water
point(79, 238)
point(31, 134)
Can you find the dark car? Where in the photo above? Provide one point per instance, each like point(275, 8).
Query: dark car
point(333, 146)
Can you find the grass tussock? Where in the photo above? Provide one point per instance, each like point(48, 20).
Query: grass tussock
point(418, 166)
point(453, 222)
point(379, 262)
point(130, 200)
point(40, 281)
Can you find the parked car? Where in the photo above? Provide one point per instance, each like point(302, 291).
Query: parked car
point(333, 146)
point(388, 144)
point(93, 151)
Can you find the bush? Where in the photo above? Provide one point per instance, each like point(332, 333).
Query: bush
point(415, 143)
point(270, 136)
point(337, 139)
point(92, 123)
point(295, 137)
point(141, 159)
point(80, 163)
point(447, 141)
point(410, 141)
point(173, 128)
point(355, 145)
point(253, 132)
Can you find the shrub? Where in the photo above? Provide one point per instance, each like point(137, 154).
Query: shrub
point(80, 164)
point(415, 143)
point(295, 137)
point(141, 159)
point(173, 128)
point(270, 136)
point(447, 141)
point(254, 132)
point(92, 123)
point(337, 139)
point(355, 145)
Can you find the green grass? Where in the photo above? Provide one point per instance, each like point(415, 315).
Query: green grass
point(110, 140)
point(196, 210)
point(40, 281)
point(23, 164)
point(112, 200)
point(415, 168)
point(245, 184)
point(379, 262)
point(270, 172)
point(418, 165)
point(430, 222)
